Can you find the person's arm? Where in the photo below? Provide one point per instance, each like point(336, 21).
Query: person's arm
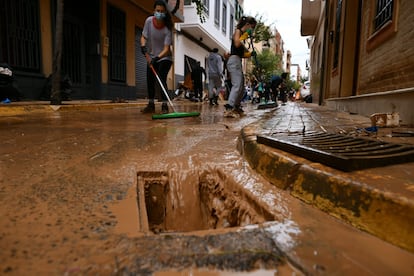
point(238, 42)
point(144, 49)
point(165, 51)
point(236, 38)
point(143, 41)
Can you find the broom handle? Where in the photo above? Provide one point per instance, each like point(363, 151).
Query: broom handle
point(147, 56)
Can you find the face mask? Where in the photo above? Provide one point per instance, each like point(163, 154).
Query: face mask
point(159, 15)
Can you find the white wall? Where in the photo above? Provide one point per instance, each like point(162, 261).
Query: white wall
point(213, 36)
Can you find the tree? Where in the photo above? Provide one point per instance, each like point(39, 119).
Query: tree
point(267, 62)
point(266, 65)
point(262, 32)
point(292, 85)
point(200, 9)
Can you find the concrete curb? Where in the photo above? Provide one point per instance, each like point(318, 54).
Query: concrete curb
point(383, 214)
point(20, 109)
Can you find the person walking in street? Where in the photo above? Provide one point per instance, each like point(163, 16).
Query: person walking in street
point(197, 77)
point(238, 51)
point(215, 69)
point(156, 40)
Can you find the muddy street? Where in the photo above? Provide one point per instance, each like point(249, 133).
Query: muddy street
point(113, 192)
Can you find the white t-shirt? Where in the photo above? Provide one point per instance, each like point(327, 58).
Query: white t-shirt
point(156, 38)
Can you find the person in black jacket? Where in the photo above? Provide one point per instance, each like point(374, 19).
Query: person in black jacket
point(197, 77)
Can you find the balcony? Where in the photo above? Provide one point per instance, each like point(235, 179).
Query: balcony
point(311, 10)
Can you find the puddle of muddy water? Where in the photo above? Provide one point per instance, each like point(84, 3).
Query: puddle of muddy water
point(169, 203)
point(204, 202)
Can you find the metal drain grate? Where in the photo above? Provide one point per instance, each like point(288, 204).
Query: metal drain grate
point(340, 151)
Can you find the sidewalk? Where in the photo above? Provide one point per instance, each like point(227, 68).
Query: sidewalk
point(378, 200)
point(23, 107)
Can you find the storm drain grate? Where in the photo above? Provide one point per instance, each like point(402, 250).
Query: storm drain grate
point(342, 152)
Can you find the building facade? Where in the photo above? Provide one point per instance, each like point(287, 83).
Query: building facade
point(361, 55)
point(195, 37)
point(101, 49)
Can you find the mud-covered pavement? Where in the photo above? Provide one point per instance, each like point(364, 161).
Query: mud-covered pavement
point(68, 201)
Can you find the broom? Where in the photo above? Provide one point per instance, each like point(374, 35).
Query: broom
point(174, 114)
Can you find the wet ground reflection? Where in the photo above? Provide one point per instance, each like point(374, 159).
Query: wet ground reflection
point(68, 185)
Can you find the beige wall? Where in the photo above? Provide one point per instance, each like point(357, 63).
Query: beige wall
point(135, 16)
point(375, 72)
point(317, 57)
point(46, 37)
point(389, 64)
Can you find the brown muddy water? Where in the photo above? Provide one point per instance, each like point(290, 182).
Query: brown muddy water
point(112, 192)
point(168, 203)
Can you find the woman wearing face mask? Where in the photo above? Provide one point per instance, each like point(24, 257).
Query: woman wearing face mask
point(234, 65)
point(156, 40)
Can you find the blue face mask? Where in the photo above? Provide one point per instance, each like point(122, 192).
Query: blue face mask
point(159, 15)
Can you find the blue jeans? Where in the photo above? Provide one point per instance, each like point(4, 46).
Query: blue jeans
point(234, 67)
point(214, 82)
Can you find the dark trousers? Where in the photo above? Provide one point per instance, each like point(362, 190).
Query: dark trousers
point(198, 89)
point(162, 68)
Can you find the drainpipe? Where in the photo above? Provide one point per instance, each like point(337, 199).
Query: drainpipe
point(357, 50)
point(325, 42)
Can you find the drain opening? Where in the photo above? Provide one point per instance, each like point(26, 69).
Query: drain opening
point(203, 202)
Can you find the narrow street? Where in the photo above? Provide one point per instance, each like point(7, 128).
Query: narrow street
point(70, 203)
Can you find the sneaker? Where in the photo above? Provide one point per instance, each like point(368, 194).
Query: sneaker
point(164, 108)
point(150, 108)
point(238, 109)
point(231, 114)
point(211, 102)
point(215, 100)
point(228, 107)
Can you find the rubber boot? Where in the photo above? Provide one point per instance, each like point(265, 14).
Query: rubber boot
point(164, 108)
point(150, 108)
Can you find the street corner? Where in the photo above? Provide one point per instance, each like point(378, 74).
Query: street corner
point(382, 214)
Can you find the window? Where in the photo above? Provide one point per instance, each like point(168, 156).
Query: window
point(224, 23)
point(117, 42)
point(217, 13)
point(231, 25)
point(187, 2)
point(206, 5)
point(20, 34)
point(383, 13)
point(239, 11)
point(337, 33)
point(383, 22)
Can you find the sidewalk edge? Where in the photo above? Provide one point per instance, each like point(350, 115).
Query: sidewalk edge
point(382, 214)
